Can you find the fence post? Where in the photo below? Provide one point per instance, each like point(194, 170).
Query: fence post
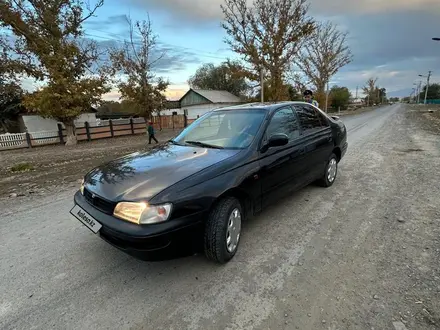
point(60, 133)
point(131, 125)
point(87, 126)
point(110, 122)
point(28, 140)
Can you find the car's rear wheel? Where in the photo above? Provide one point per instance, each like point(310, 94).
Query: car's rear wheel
point(223, 230)
point(331, 171)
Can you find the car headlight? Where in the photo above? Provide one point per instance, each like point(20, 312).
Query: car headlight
point(81, 188)
point(142, 213)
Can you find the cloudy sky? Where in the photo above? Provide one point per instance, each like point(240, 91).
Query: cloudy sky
point(390, 39)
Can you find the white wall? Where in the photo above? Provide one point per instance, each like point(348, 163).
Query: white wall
point(199, 110)
point(89, 117)
point(169, 112)
point(35, 123)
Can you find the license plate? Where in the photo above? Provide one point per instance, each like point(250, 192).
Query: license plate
point(85, 218)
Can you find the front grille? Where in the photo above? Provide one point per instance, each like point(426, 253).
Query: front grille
point(99, 203)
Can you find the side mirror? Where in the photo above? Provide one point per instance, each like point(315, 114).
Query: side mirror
point(335, 117)
point(276, 140)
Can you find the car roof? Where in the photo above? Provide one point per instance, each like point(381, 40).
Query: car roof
point(267, 106)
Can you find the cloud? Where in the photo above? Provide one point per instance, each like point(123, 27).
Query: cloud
point(113, 95)
point(111, 20)
point(199, 9)
point(370, 6)
point(390, 39)
point(173, 92)
point(187, 10)
point(167, 58)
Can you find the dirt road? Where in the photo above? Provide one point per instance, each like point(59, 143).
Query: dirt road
point(57, 167)
point(364, 254)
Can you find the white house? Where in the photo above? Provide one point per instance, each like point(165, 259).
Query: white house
point(36, 123)
point(356, 101)
point(197, 102)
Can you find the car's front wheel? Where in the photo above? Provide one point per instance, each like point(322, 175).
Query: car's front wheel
point(331, 171)
point(223, 230)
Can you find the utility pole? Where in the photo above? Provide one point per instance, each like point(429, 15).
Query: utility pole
point(419, 91)
point(326, 97)
point(427, 85)
point(262, 84)
point(357, 88)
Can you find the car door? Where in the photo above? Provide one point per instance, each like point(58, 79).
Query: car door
point(279, 168)
point(318, 139)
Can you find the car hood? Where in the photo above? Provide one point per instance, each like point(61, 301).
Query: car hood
point(142, 175)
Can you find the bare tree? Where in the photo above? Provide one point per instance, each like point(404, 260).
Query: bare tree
point(268, 36)
point(136, 61)
point(370, 91)
point(323, 55)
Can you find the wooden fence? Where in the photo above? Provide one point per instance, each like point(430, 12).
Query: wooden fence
point(106, 129)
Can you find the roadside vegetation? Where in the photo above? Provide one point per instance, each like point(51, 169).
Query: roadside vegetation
point(281, 49)
point(22, 167)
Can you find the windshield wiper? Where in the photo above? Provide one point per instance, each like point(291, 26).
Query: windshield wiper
point(202, 144)
point(174, 142)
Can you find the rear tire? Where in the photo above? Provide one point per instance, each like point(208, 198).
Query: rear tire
point(330, 173)
point(223, 230)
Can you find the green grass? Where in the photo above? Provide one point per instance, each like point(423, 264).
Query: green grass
point(22, 167)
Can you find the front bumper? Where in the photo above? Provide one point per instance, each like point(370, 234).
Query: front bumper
point(170, 239)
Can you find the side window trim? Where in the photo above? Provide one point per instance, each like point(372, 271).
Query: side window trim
point(300, 128)
point(315, 111)
point(289, 107)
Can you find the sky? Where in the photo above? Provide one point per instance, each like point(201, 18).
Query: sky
point(390, 39)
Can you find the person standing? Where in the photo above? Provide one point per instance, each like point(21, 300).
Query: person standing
point(308, 97)
point(150, 130)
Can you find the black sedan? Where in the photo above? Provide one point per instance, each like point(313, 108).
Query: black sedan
point(193, 192)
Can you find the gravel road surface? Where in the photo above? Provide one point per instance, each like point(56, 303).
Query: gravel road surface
point(363, 254)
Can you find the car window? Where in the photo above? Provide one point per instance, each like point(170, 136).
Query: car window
point(283, 121)
point(308, 118)
point(230, 129)
point(322, 119)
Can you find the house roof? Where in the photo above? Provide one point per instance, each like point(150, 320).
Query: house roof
point(172, 104)
point(216, 96)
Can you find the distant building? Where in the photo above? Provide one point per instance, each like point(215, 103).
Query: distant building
point(36, 123)
point(171, 108)
point(357, 101)
point(197, 102)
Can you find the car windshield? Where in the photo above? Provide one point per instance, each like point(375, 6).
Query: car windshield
point(229, 129)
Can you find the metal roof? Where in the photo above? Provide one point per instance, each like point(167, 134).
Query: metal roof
point(218, 96)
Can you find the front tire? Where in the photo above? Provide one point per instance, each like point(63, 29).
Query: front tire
point(223, 230)
point(331, 172)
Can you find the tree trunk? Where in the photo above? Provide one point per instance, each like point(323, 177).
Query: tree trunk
point(70, 131)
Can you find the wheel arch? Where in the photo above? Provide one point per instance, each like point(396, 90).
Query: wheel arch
point(242, 196)
point(337, 151)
